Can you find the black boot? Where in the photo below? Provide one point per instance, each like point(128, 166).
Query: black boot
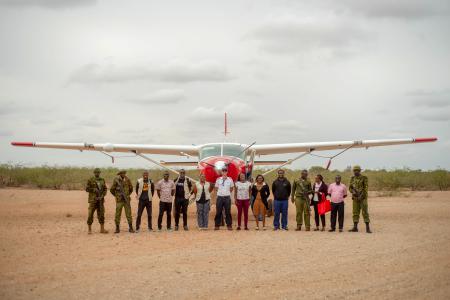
point(117, 229)
point(368, 228)
point(130, 228)
point(355, 227)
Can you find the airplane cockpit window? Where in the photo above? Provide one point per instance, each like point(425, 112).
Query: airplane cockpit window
point(233, 150)
point(210, 150)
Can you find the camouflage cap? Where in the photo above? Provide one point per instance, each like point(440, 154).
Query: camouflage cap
point(356, 168)
point(121, 172)
point(97, 170)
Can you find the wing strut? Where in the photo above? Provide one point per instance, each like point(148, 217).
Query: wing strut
point(290, 161)
point(330, 158)
point(161, 165)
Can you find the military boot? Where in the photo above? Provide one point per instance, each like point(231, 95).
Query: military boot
point(130, 228)
point(355, 227)
point(102, 229)
point(89, 229)
point(368, 228)
point(117, 229)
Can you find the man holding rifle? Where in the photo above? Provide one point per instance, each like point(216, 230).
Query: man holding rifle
point(301, 189)
point(122, 189)
point(359, 187)
point(96, 187)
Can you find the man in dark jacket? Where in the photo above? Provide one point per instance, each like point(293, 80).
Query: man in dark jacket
point(144, 193)
point(281, 190)
point(182, 193)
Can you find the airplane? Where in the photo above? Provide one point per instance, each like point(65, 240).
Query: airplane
point(236, 158)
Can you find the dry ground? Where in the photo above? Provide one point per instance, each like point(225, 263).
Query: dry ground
point(47, 255)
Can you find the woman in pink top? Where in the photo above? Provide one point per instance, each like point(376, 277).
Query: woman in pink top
point(337, 191)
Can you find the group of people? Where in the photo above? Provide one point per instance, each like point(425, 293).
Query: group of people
point(255, 195)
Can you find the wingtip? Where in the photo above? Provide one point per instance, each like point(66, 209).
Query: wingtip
point(425, 140)
point(22, 144)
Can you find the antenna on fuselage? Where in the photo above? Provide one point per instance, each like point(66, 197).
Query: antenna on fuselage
point(225, 132)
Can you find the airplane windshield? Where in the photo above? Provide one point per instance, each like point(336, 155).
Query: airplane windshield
point(228, 150)
point(233, 150)
point(210, 150)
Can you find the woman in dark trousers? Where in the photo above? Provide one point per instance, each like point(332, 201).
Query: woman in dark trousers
point(320, 193)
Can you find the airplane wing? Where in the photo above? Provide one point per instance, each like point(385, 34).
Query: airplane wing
point(267, 149)
point(181, 150)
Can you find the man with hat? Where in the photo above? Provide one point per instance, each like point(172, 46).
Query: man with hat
point(122, 189)
point(224, 187)
point(359, 187)
point(96, 187)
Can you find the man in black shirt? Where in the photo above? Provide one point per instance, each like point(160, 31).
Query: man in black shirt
point(182, 193)
point(281, 190)
point(144, 191)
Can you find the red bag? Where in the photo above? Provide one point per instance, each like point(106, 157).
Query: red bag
point(323, 207)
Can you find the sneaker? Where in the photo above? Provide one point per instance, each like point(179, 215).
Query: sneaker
point(257, 228)
point(264, 228)
point(159, 229)
point(137, 230)
point(275, 229)
point(169, 229)
point(150, 229)
point(286, 229)
point(323, 229)
point(176, 227)
point(185, 228)
point(229, 228)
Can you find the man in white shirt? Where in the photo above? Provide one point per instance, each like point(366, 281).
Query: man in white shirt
point(223, 187)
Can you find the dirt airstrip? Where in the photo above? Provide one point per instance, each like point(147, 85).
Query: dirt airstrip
point(45, 253)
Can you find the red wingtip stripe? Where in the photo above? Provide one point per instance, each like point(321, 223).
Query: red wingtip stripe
point(425, 140)
point(22, 144)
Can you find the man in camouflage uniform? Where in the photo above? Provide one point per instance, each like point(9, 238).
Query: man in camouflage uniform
point(359, 187)
point(96, 187)
point(301, 190)
point(122, 189)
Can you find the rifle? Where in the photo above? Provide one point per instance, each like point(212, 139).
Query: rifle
point(358, 195)
point(98, 192)
point(122, 193)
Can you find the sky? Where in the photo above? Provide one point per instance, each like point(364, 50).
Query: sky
point(164, 72)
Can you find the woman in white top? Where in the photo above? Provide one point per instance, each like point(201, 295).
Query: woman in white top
point(242, 199)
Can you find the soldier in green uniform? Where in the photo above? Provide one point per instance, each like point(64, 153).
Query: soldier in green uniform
point(122, 189)
point(359, 187)
point(96, 187)
point(301, 190)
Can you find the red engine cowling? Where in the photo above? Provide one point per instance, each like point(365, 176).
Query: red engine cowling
point(212, 167)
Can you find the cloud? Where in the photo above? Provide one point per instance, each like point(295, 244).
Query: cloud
point(289, 35)
point(289, 125)
point(166, 96)
point(174, 71)
point(90, 122)
point(399, 9)
point(52, 4)
point(430, 98)
point(237, 112)
point(435, 116)
point(5, 132)
point(8, 109)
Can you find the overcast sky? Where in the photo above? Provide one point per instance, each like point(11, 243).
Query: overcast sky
point(164, 72)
